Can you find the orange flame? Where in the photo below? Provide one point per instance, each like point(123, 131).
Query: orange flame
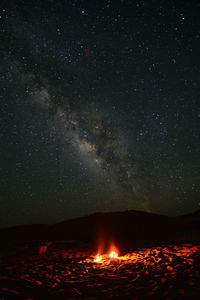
point(98, 258)
point(113, 254)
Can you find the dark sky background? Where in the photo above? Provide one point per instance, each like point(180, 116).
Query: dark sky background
point(99, 108)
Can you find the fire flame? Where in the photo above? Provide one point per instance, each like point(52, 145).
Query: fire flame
point(98, 258)
point(113, 254)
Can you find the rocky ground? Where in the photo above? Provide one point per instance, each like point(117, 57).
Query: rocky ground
point(165, 272)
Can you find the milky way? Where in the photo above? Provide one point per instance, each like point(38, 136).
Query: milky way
point(93, 134)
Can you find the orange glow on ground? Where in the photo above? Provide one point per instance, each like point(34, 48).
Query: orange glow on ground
point(147, 256)
point(161, 272)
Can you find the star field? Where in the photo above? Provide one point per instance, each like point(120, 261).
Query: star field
point(99, 108)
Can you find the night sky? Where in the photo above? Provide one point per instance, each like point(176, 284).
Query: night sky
point(99, 108)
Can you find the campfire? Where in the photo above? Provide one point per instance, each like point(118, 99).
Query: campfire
point(102, 258)
point(112, 256)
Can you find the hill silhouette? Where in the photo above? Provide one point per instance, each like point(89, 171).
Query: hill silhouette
point(130, 229)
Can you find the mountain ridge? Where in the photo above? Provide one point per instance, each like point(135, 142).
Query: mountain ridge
point(131, 228)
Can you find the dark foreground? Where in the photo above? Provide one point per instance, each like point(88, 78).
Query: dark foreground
point(166, 272)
